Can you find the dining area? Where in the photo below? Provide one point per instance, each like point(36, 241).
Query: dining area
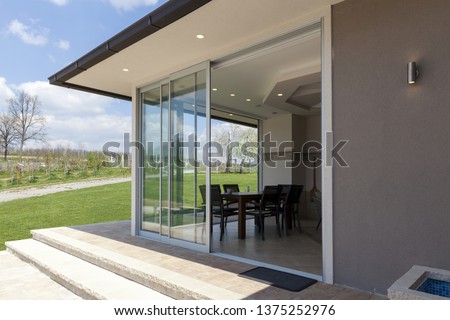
point(266, 226)
point(278, 201)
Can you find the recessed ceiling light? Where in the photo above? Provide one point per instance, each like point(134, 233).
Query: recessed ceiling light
point(125, 69)
point(214, 89)
point(248, 99)
point(232, 95)
point(280, 94)
point(200, 36)
point(230, 114)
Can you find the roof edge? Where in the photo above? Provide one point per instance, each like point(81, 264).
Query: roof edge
point(158, 19)
point(91, 90)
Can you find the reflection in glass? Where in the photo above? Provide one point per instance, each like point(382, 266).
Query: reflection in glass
point(188, 125)
point(151, 111)
point(173, 134)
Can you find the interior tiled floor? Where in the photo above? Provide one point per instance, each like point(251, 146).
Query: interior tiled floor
point(298, 251)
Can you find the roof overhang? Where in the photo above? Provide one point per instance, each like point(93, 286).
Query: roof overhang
point(165, 41)
point(162, 17)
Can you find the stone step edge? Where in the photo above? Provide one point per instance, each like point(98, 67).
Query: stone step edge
point(76, 287)
point(157, 278)
point(87, 280)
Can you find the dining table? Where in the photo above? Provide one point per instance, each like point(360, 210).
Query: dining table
point(242, 198)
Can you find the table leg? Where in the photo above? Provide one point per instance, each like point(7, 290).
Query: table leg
point(241, 218)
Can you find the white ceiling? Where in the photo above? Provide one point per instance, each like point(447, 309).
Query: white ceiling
point(228, 26)
point(263, 76)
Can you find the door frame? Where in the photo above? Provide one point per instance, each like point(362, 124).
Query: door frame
point(325, 16)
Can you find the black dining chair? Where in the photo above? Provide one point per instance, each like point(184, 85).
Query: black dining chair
point(268, 207)
point(284, 190)
point(235, 188)
point(227, 188)
point(289, 204)
point(230, 188)
point(218, 208)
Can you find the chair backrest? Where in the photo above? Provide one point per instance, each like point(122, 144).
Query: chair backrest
point(216, 197)
point(294, 194)
point(270, 196)
point(284, 191)
point(215, 194)
point(231, 187)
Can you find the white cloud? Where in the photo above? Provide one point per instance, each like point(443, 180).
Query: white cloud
point(59, 2)
point(76, 118)
point(128, 5)
point(5, 94)
point(29, 35)
point(63, 44)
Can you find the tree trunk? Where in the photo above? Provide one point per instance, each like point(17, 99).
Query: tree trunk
point(229, 159)
point(241, 167)
point(20, 151)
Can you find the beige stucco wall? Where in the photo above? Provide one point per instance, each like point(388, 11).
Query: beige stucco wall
point(392, 206)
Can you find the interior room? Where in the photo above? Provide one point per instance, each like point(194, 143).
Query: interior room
point(278, 85)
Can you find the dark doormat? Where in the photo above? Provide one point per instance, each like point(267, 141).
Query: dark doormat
point(279, 279)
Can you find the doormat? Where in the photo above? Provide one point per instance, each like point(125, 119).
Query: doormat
point(279, 279)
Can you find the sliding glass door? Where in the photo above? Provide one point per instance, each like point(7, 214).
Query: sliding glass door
point(175, 127)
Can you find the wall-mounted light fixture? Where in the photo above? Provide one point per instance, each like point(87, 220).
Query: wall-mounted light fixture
point(413, 73)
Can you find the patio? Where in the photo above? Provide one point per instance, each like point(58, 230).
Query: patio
point(176, 272)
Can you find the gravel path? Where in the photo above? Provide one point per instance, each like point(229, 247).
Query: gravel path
point(15, 194)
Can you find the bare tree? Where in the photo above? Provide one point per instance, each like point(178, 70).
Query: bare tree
point(248, 137)
point(224, 135)
point(232, 136)
point(8, 135)
point(28, 120)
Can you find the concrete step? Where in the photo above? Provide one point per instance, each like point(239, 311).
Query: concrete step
point(81, 277)
point(21, 281)
point(165, 281)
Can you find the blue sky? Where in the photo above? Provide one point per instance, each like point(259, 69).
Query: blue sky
point(39, 38)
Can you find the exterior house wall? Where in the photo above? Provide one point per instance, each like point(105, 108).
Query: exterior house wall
point(391, 207)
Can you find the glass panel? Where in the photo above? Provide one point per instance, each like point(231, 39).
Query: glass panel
point(188, 124)
point(151, 139)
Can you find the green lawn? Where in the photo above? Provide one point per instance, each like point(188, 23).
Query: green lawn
point(243, 180)
point(85, 206)
point(90, 205)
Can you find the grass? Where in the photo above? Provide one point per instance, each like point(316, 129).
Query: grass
point(84, 206)
point(243, 180)
point(91, 205)
point(42, 178)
